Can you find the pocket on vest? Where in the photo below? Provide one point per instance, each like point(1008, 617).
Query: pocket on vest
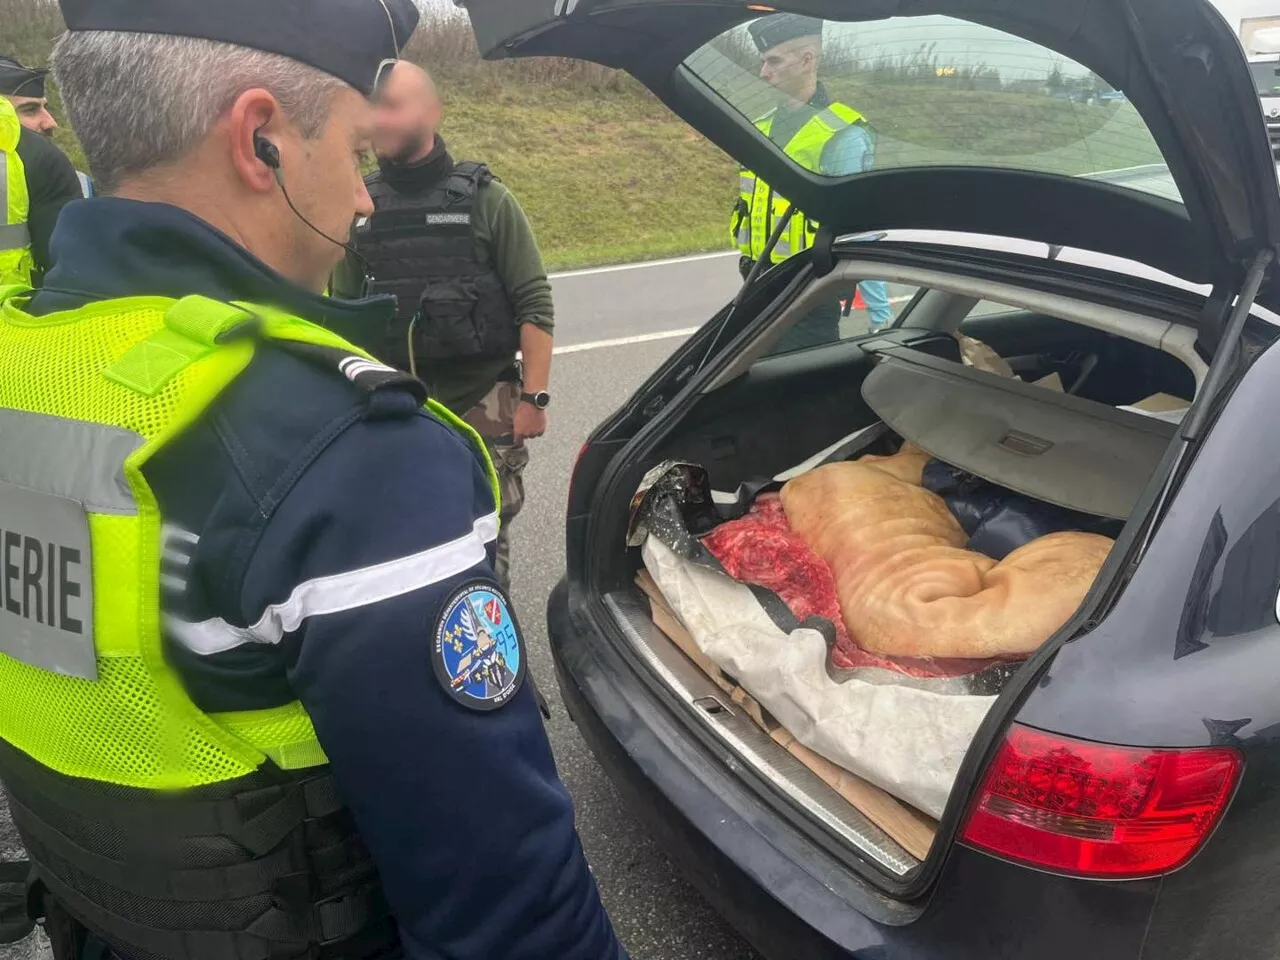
point(448, 325)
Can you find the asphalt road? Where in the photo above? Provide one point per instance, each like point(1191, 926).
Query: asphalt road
point(622, 303)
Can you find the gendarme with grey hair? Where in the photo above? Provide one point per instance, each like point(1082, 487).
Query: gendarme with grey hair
point(264, 697)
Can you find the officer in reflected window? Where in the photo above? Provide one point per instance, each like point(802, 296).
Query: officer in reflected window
point(819, 134)
point(263, 696)
point(39, 179)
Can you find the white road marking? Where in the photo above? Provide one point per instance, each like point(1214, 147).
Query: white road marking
point(1151, 167)
point(593, 271)
point(626, 341)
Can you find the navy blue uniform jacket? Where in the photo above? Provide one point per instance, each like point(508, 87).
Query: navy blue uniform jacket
point(312, 538)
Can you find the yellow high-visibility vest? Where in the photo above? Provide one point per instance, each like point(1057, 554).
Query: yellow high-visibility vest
point(87, 398)
point(15, 239)
point(760, 208)
point(119, 783)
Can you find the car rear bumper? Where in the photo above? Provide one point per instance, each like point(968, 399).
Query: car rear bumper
point(788, 897)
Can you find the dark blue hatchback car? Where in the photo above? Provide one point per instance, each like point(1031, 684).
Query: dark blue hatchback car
point(1113, 256)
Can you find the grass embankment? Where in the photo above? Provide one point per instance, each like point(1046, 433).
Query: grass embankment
point(605, 179)
point(929, 123)
point(607, 174)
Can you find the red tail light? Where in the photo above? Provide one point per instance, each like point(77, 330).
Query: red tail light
point(1097, 810)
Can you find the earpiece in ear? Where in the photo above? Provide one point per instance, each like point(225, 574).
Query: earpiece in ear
point(266, 151)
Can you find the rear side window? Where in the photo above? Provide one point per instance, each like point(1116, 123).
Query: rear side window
point(869, 307)
point(928, 91)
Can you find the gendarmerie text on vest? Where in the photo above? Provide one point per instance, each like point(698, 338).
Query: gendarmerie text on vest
point(46, 577)
point(40, 580)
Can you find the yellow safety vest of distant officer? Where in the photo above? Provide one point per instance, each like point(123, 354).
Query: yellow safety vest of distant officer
point(819, 134)
point(762, 208)
point(15, 236)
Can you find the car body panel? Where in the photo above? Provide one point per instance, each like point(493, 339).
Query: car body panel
point(1189, 657)
point(1177, 61)
point(1192, 647)
point(780, 891)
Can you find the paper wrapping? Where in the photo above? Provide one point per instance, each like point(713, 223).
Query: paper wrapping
point(907, 741)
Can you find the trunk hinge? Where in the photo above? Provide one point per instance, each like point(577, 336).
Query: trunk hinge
point(1213, 319)
point(1225, 357)
point(823, 251)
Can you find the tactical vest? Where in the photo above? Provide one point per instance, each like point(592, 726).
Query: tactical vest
point(169, 832)
point(422, 248)
point(759, 208)
point(16, 263)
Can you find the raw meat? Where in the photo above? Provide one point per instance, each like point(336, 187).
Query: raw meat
point(762, 549)
point(905, 583)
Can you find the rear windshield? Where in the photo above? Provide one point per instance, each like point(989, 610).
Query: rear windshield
point(927, 91)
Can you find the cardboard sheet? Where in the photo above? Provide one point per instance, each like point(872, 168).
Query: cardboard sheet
point(912, 830)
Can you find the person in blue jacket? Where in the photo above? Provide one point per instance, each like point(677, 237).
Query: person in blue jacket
point(327, 540)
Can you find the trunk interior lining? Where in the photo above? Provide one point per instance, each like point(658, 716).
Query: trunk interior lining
point(732, 724)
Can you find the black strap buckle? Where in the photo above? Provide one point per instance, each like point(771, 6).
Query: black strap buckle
point(341, 917)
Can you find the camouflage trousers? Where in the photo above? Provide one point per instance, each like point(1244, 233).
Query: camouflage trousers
point(494, 419)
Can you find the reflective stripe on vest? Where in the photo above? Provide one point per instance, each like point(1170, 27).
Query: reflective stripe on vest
point(763, 208)
point(90, 397)
point(68, 458)
point(13, 236)
point(15, 240)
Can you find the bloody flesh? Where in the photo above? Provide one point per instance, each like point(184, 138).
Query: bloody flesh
point(762, 549)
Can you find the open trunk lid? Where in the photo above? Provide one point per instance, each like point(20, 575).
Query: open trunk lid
point(1177, 63)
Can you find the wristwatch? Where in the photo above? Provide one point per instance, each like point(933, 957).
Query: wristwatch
point(541, 399)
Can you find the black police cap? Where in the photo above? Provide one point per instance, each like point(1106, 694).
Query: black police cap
point(769, 32)
point(19, 81)
point(348, 39)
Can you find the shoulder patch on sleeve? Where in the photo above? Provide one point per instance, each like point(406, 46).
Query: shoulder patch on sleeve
point(477, 650)
point(369, 375)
